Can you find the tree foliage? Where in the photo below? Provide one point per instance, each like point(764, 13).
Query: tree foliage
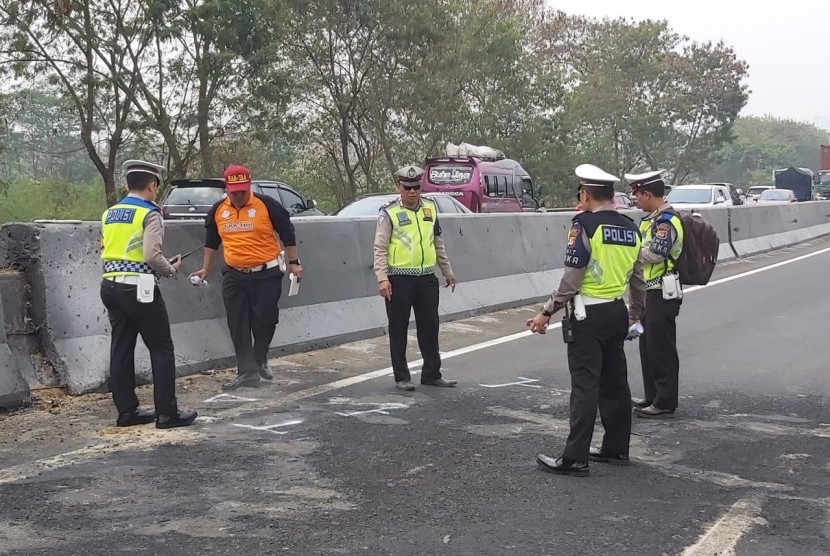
point(335, 95)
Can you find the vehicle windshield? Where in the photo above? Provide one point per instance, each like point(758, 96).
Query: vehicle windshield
point(775, 195)
point(824, 179)
point(194, 196)
point(450, 174)
point(756, 190)
point(679, 195)
point(368, 206)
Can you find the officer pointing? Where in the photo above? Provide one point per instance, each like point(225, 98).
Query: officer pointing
point(408, 247)
point(132, 233)
point(600, 262)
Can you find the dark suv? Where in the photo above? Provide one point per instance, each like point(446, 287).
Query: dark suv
point(191, 199)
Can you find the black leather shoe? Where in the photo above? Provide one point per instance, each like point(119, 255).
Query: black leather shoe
point(183, 418)
point(640, 402)
point(563, 466)
point(265, 371)
point(598, 455)
point(135, 417)
point(248, 379)
point(652, 412)
point(440, 382)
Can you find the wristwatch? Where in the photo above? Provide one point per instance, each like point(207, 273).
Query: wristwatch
point(294, 261)
point(546, 313)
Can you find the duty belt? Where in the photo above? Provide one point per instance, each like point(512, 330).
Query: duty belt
point(427, 270)
point(654, 282)
point(127, 266)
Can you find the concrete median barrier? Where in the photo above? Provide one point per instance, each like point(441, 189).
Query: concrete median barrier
point(500, 260)
point(756, 229)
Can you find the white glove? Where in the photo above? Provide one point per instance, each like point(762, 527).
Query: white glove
point(634, 331)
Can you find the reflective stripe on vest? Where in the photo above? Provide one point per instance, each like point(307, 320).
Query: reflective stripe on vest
point(653, 273)
point(122, 228)
point(614, 250)
point(412, 245)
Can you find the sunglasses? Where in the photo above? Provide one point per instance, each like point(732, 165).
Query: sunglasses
point(413, 187)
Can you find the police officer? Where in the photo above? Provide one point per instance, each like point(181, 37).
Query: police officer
point(408, 247)
point(662, 233)
point(600, 261)
point(250, 228)
point(132, 256)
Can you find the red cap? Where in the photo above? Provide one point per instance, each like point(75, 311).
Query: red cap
point(237, 178)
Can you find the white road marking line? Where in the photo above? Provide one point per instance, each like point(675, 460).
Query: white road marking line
point(229, 398)
point(522, 382)
point(382, 408)
point(270, 428)
point(723, 536)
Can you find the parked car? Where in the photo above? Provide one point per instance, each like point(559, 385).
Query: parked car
point(621, 201)
point(191, 199)
point(369, 205)
point(755, 191)
point(777, 197)
point(737, 194)
point(699, 196)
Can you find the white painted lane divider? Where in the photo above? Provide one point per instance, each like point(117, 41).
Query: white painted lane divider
point(723, 536)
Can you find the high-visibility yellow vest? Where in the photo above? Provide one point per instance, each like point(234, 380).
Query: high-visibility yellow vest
point(615, 245)
point(412, 246)
point(122, 229)
point(653, 273)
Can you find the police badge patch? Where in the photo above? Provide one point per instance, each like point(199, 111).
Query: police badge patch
point(403, 219)
point(427, 214)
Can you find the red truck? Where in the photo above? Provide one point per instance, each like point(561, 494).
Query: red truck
point(823, 174)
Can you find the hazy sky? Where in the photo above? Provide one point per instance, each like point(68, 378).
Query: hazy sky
point(786, 44)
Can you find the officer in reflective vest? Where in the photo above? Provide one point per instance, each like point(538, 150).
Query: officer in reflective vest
point(132, 235)
point(408, 248)
point(662, 244)
point(600, 263)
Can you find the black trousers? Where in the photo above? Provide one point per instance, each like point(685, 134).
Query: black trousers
point(599, 379)
point(421, 294)
point(128, 319)
point(658, 350)
point(252, 308)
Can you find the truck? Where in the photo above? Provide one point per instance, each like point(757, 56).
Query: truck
point(798, 180)
point(823, 174)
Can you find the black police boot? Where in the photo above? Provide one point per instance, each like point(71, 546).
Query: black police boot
point(247, 379)
point(182, 418)
point(265, 371)
point(596, 454)
point(135, 417)
point(640, 402)
point(563, 466)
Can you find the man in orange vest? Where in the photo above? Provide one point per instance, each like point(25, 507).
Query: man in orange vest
point(250, 227)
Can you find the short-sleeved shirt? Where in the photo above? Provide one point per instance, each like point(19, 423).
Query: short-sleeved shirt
point(247, 234)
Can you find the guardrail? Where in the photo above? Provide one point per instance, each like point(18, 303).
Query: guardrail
point(500, 260)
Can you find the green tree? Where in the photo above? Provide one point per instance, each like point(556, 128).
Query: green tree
point(764, 144)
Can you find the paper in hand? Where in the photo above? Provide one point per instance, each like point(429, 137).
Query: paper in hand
point(294, 288)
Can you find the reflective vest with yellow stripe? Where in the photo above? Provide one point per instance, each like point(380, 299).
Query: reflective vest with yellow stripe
point(615, 245)
point(653, 273)
point(412, 246)
point(122, 230)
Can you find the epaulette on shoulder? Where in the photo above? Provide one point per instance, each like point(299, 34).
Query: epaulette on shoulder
point(386, 205)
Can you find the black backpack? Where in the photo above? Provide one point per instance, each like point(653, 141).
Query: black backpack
point(699, 256)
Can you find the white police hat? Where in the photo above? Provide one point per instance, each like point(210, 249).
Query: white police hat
point(409, 173)
point(639, 180)
point(592, 175)
point(133, 166)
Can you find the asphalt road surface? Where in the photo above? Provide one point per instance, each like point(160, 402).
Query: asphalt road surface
point(331, 459)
